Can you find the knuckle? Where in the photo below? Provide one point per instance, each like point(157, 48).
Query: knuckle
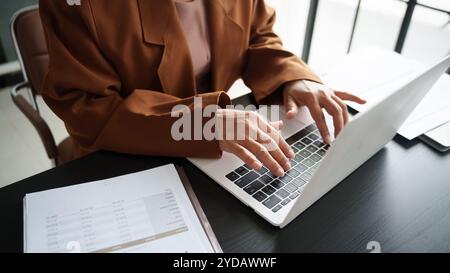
point(248, 159)
point(335, 110)
point(260, 152)
point(309, 96)
point(241, 151)
point(322, 92)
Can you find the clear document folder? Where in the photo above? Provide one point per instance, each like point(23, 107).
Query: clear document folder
point(150, 211)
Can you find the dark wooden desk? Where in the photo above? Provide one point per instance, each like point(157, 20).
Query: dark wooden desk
point(400, 198)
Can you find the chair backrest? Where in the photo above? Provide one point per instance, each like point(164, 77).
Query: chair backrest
point(29, 39)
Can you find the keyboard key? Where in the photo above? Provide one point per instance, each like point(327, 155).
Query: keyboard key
point(285, 179)
point(313, 168)
point(300, 191)
point(277, 184)
point(294, 138)
point(326, 147)
point(260, 196)
point(293, 173)
point(271, 201)
point(312, 127)
point(318, 144)
point(301, 167)
point(294, 195)
point(241, 170)
point(298, 158)
point(313, 136)
point(277, 208)
point(315, 157)
point(246, 179)
point(299, 182)
point(311, 148)
point(306, 141)
point(263, 170)
point(268, 190)
point(299, 145)
point(321, 152)
point(306, 177)
point(232, 176)
point(304, 153)
point(293, 163)
point(286, 201)
point(265, 179)
point(253, 187)
point(295, 149)
point(308, 162)
point(291, 187)
point(282, 193)
point(271, 175)
point(291, 140)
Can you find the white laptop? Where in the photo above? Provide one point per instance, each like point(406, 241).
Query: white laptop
point(317, 168)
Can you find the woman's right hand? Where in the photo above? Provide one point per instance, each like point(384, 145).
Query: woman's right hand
point(254, 140)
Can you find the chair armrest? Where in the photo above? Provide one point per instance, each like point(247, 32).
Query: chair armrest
point(36, 120)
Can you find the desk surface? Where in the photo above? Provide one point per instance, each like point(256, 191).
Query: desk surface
point(400, 198)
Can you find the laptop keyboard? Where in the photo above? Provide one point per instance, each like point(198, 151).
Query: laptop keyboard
point(276, 192)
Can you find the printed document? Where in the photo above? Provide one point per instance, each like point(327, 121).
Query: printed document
point(148, 211)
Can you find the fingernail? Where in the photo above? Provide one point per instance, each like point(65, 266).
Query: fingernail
point(280, 172)
point(258, 166)
point(287, 166)
point(291, 153)
point(327, 139)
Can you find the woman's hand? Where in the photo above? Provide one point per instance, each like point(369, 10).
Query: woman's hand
point(316, 96)
point(254, 140)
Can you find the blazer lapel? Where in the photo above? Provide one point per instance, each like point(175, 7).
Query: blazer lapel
point(226, 41)
point(161, 26)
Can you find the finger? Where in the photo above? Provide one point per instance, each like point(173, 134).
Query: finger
point(349, 97)
point(335, 111)
point(264, 156)
point(276, 136)
point(291, 105)
point(343, 107)
point(317, 115)
point(274, 150)
point(277, 124)
point(244, 155)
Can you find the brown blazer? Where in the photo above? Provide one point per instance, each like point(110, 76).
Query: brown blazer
point(117, 67)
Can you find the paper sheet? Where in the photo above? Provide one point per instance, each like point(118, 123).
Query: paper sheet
point(441, 134)
point(148, 211)
point(373, 74)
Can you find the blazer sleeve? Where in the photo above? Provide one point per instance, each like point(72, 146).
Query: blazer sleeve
point(84, 90)
point(268, 65)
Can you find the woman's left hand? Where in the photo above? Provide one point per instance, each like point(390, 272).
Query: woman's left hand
point(316, 96)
